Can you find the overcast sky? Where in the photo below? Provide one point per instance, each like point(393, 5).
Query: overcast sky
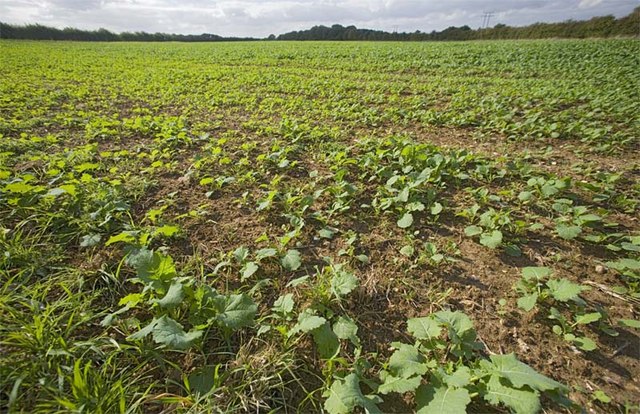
point(260, 18)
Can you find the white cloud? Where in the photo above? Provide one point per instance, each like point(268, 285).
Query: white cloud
point(585, 4)
point(261, 17)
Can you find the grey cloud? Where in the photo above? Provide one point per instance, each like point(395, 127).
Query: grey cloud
point(322, 13)
point(235, 12)
point(79, 5)
point(262, 17)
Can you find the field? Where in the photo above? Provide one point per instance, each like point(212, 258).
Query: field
point(309, 227)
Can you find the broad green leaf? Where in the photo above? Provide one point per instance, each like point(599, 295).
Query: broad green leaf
point(299, 281)
point(173, 297)
point(513, 250)
point(154, 214)
point(131, 300)
point(405, 221)
point(108, 320)
point(437, 258)
point(568, 232)
point(248, 270)
point(263, 329)
point(155, 267)
point(458, 321)
point(55, 192)
point(630, 323)
point(423, 328)
point(624, 264)
point(588, 218)
point(284, 163)
point(90, 240)
point(307, 322)
point(284, 304)
point(528, 302)
point(18, 188)
point(538, 273)
point(399, 384)
point(326, 340)
point(436, 208)
point(363, 258)
point(630, 247)
point(265, 253)
point(564, 290)
point(407, 361)
point(124, 237)
point(241, 254)
point(138, 257)
point(291, 261)
point(525, 196)
point(202, 380)
point(345, 395)
point(326, 233)
point(171, 334)
point(492, 240)
point(264, 205)
point(142, 333)
point(460, 378)
point(431, 400)
point(549, 189)
point(471, 231)
point(407, 250)
point(588, 318)
point(584, 343)
point(166, 231)
point(415, 206)
point(391, 181)
point(403, 196)
point(342, 283)
point(519, 373)
point(520, 401)
point(601, 396)
point(346, 328)
point(235, 311)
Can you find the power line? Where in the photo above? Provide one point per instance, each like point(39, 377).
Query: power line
point(486, 18)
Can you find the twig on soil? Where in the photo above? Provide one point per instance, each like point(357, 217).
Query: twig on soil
point(486, 346)
point(620, 349)
point(610, 292)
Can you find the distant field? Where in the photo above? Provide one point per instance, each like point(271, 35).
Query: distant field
point(309, 227)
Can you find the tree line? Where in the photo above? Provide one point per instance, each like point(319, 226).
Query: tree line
point(604, 26)
point(40, 32)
